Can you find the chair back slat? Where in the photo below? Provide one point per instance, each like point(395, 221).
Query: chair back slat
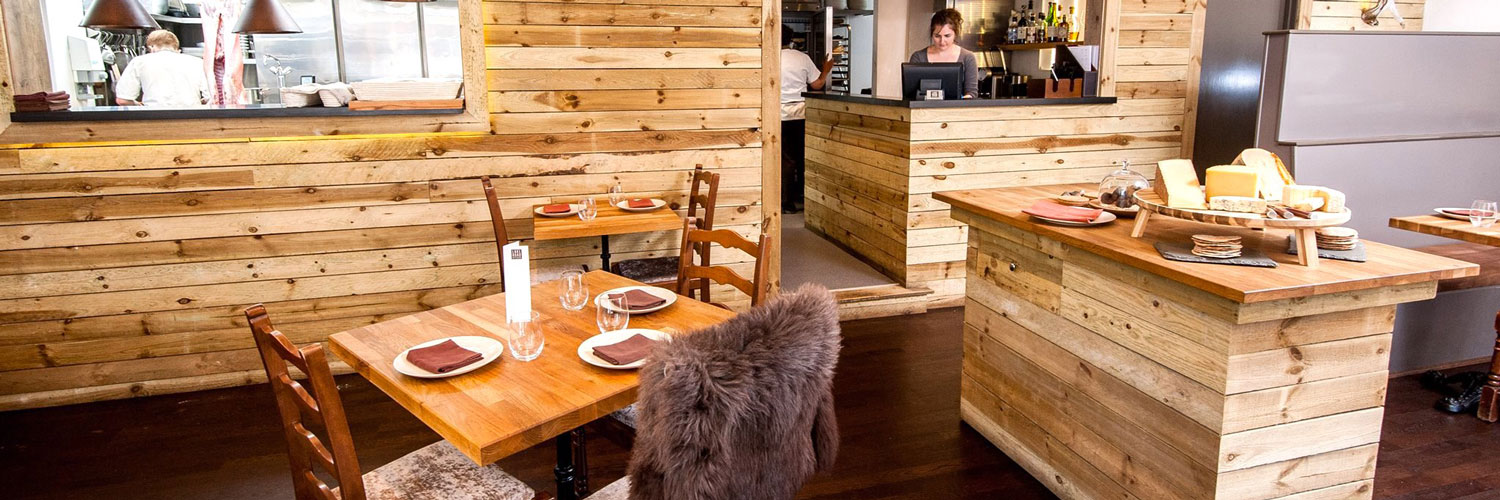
point(298, 405)
point(497, 220)
point(692, 276)
point(704, 196)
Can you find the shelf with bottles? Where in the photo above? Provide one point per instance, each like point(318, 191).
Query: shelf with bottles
point(1036, 46)
point(1030, 28)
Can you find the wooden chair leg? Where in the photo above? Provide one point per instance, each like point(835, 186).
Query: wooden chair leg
point(1489, 399)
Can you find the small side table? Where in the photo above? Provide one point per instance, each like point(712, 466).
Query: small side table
point(611, 220)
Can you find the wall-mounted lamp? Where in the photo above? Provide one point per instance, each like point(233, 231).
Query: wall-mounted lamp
point(265, 17)
point(118, 15)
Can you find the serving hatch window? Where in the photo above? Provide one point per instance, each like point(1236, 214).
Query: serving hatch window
point(196, 61)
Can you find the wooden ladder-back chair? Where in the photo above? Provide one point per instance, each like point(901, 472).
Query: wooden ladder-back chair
point(497, 220)
point(691, 276)
point(408, 477)
point(662, 271)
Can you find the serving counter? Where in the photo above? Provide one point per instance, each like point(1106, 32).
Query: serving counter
point(1110, 372)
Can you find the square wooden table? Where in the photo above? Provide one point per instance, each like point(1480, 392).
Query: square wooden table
point(1489, 399)
point(509, 405)
point(611, 220)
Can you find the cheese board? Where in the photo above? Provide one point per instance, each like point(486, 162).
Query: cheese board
point(1152, 205)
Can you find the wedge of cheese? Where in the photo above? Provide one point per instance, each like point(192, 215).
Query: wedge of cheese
point(1273, 173)
point(1333, 201)
point(1237, 204)
point(1313, 198)
point(1177, 185)
point(1233, 180)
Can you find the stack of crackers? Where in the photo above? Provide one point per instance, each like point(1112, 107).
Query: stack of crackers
point(1216, 246)
point(1337, 238)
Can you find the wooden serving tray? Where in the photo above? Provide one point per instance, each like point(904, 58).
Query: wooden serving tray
point(1306, 229)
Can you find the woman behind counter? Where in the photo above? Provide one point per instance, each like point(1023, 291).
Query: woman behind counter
point(945, 26)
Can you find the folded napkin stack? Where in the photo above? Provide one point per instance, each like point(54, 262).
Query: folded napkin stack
point(43, 101)
point(635, 300)
point(442, 357)
point(640, 203)
point(556, 208)
point(626, 352)
point(1052, 210)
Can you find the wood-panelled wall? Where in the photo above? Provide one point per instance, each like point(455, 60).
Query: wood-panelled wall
point(1344, 15)
point(872, 169)
point(124, 266)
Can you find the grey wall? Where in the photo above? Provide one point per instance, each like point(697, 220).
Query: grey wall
point(1229, 87)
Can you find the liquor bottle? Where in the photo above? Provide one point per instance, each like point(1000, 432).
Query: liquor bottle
point(1038, 27)
point(1051, 34)
point(1072, 24)
point(1012, 29)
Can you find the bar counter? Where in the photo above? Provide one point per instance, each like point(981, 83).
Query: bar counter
point(1110, 372)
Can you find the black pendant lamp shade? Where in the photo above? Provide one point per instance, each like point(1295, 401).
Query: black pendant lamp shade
point(118, 15)
point(265, 17)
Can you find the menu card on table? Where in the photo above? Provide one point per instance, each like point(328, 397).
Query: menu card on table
point(516, 270)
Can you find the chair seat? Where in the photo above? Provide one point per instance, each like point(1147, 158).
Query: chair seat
point(618, 490)
point(1486, 256)
point(652, 270)
point(440, 472)
point(625, 415)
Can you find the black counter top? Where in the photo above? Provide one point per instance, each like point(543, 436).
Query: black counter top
point(956, 103)
point(117, 113)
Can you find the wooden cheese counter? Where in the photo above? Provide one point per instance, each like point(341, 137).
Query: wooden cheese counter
point(1110, 372)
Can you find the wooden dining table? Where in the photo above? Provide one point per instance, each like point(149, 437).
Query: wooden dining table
point(611, 220)
point(509, 405)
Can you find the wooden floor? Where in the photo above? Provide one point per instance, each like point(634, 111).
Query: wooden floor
point(897, 390)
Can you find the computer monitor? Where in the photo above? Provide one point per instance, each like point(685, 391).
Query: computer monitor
point(917, 78)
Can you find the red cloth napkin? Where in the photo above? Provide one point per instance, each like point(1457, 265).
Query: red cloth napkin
point(1467, 212)
point(640, 203)
point(626, 352)
point(442, 357)
point(1051, 210)
point(556, 208)
point(635, 300)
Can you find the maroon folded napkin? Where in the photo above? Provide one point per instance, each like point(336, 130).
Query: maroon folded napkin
point(635, 300)
point(640, 203)
point(557, 208)
point(442, 357)
point(625, 352)
point(1050, 210)
point(42, 97)
point(1469, 213)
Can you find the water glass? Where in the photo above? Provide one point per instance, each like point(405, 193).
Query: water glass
point(1482, 213)
point(610, 319)
point(526, 338)
point(590, 209)
point(616, 193)
point(575, 293)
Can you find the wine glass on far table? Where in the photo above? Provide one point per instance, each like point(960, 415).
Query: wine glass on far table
point(590, 209)
point(1483, 213)
point(616, 193)
point(575, 293)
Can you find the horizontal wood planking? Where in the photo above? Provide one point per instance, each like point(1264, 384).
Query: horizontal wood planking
point(619, 58)
point(524, 35)
point(622, 79)
point(621, 100)
point(561, 14)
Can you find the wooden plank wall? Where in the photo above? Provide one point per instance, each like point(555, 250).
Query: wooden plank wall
point(1343, 15)
point(872, 169)
point(125, 266)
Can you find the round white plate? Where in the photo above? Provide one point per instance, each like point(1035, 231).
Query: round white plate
point(573, 209)
point(1104, 218)
point(663, 293)
point(490, 348)
point(586, 349)
point(655, 204)
point(1448, 212)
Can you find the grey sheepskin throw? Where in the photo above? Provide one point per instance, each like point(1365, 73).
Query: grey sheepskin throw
point(743, 409)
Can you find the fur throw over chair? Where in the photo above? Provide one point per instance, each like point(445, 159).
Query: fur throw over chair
point(743, 409)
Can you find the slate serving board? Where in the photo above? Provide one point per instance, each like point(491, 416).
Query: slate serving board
point(1357, 254)
point(1183, 252)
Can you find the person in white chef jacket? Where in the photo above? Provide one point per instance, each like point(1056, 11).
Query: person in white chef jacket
point(163, 78)
point(798, 74)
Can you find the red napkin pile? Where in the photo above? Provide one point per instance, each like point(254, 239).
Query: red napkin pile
point(42, 101)
point(635, 300)
point(556, 208)
point(626, 352)
point(640, 203)
point(1050, 210)
point(442, 357)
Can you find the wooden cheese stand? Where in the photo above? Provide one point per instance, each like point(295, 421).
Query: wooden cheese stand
point(1305, 229)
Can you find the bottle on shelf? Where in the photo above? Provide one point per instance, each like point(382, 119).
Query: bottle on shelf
point(1072, 24)
point(1013, 29)
point(1023, 31)
point(1051, 33)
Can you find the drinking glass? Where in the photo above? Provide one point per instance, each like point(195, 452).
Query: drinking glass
point(611, 319)
point(526, 338)
point(590, 209)
point(575, 293)
point(1482, 213)
point(616, 193)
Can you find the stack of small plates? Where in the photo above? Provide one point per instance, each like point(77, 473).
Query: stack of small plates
point(1216, 246)
point(1337, 238)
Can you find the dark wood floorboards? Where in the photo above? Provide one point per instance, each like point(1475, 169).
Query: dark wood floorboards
point(897, 390)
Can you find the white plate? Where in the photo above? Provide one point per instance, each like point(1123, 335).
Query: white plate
point(488, 347)
point(655, 204)
point(586, 349)
point(660, 292)
point(573, 208)
point(1446, 212)
point(1104, 218)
